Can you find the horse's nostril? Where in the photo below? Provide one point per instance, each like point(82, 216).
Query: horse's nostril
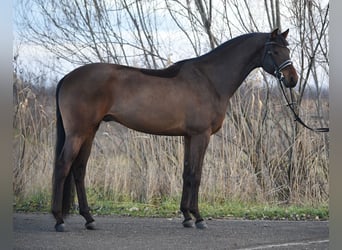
point(293, 79)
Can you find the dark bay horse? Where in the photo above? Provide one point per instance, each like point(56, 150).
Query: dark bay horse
point(187, 99)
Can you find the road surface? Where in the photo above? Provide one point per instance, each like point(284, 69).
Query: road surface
point(36, 231)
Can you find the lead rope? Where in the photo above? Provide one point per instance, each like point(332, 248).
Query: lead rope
point(297, 118)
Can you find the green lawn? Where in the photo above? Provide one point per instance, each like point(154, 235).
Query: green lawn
point(169, 207)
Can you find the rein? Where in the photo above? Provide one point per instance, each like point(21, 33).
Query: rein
point(296, 116)
point(279, 75)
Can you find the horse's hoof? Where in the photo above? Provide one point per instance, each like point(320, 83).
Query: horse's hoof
point(188, 223)
point(90, 225)
point(60, 227)
point(201, 225)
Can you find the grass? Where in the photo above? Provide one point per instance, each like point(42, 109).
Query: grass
point(169, 207)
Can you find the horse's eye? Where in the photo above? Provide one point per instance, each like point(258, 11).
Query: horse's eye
point(276, 52)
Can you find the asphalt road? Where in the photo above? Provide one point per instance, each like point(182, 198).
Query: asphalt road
point(36, 231)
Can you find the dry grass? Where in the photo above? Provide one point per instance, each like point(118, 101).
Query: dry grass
point(258, 155)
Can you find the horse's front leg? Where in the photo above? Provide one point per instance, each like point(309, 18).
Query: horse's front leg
point(194, 151)
point(185, 202)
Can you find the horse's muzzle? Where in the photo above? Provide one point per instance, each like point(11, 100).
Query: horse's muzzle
point(290, 77)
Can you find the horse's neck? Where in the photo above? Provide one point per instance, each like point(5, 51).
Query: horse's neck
point(228, 67)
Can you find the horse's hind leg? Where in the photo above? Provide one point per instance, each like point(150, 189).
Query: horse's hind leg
point(79, 171)
point(62, 193)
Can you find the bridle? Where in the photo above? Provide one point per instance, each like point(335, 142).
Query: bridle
point(277, 68)
point(280, 76)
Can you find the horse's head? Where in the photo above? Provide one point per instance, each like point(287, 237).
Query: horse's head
point(276, 59)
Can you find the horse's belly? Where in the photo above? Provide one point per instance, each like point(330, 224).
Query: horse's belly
point(153, 125)
point(151, 120)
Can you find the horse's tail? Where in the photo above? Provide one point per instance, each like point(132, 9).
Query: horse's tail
point(69, 184)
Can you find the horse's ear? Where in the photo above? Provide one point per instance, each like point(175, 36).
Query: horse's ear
point(274, 33)
point(285, 33)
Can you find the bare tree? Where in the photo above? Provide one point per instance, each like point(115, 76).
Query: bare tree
point(83, 31)
point(206, 16)
point(273, 13)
